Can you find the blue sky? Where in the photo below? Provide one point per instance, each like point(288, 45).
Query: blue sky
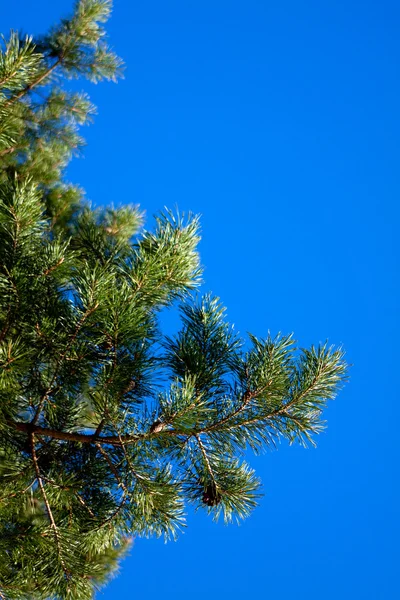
point(279, 123)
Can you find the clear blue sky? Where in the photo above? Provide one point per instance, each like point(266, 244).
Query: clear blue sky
point(279, 123)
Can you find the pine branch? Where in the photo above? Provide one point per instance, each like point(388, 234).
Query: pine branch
point(116, 512)
point(68, 488)
point(60, 361)
point(247, 398)
point(34, 83)
point(8, 150)
point(108, 382)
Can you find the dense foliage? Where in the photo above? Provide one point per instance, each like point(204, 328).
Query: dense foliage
point(107, 427)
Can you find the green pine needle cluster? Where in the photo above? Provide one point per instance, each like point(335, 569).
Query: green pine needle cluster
point(107, 426)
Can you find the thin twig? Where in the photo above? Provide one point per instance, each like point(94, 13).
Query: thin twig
point(47, 504)
point(76, 494)
point(112, 467)
point(120, 482)
point(206, 460)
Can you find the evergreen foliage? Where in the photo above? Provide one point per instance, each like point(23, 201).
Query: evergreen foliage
point(107, 427)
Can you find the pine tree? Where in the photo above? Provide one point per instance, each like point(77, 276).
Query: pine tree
point(107, 426)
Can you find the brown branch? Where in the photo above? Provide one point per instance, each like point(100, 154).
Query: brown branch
point(100, 428)
point(84, 438)
point(52, 268)
point(68, 436)
point(8, 150)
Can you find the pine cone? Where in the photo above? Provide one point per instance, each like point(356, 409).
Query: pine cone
point(157, 426)
point(211, 496)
